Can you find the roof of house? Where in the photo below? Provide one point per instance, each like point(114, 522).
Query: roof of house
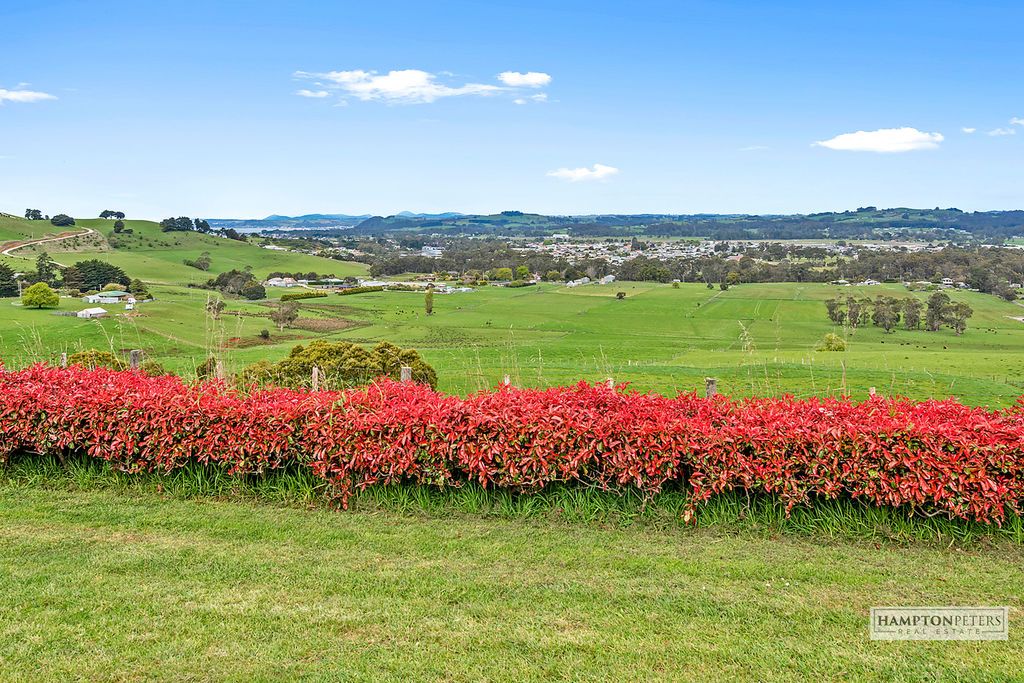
point(113, 292)
point(93, 311)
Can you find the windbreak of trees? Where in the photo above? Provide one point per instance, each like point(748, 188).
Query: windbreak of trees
point(106, 213)
point(890, 313)
point(184, 224)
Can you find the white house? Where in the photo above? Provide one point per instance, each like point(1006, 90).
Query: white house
point(607, 280)
point(947, 281)
point(92, 313)
point(281, 282)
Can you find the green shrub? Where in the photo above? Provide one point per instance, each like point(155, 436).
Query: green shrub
point(294, 296)
point(832, 342)
point(342, 364)
point(94, 358)
point(360, 290)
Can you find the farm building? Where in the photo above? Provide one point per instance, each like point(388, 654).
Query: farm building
point(92, 313)
point(111, 297)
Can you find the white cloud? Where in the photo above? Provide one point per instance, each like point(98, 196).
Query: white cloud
point(884, 140)
point(19, 94)
point(530, 79)
point(407, 86)
point(968, 130)
point(575, 175)
point(997, 132)
point(539, 97)
point(1017, 121)
point(414, 86)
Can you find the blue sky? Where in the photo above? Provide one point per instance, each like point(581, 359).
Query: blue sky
point(192, 108)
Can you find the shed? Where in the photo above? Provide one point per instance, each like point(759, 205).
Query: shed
point(92, 313)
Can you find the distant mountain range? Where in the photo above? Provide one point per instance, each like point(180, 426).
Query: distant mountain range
point(311, 221)
point(864, 223)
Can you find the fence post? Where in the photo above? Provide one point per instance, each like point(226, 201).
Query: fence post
point(710, 386)
point(316, 378)
point(506, 380)
point(218, 368)
point(134, 359)
point(406, 373)
point(871, 391)
point(611, 383)
point(64, 359)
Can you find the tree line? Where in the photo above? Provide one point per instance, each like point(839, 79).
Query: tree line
point(890, 312)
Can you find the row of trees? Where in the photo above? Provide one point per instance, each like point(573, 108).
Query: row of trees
point(889, 312)
point(107, 213)
point(90, 274)
point(184, 224)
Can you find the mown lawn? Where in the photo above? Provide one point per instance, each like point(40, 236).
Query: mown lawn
point(117, 585)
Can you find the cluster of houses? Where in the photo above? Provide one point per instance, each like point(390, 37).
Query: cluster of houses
point(606, 280)
point(106, 297)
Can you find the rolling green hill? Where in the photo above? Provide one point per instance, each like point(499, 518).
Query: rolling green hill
point(157, 257)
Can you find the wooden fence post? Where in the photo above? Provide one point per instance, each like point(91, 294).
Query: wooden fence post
point(218, 368)
point(871, 391)
point(64, 359)
point(406, 373)
point(134, 359)
point(316, 378)
point(506, 380)
point(710, 386)
point(611, 383)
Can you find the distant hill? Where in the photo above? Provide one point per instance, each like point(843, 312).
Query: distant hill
point(863, 223)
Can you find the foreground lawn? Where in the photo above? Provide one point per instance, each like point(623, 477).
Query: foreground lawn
point(112, 585)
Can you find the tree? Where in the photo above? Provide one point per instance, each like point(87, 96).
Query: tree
point(284, 315)
point(428, 301)
point(502, 273)
point(8, 283)
point(34, 214)
point(936, 313)
point(40, 295)
point(522, 272)
point(553, 275)
point(253, 291)
point(885, 315)
point(835, 311)
point(214, 307)
point(46, 269)
point(202, 262)
point(180, 224)
point(118, 226)
point(957, 315)
point(94, 274)
point(136, 286)
point(912, 313)
point(62, 220)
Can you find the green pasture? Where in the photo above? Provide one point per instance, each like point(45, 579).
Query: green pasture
point(757, 339)
point(136, 582)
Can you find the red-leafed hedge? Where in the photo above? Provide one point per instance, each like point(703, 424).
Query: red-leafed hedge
point(936, 456)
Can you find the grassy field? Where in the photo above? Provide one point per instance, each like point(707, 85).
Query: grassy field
point(756, 339)
point(134, 584)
